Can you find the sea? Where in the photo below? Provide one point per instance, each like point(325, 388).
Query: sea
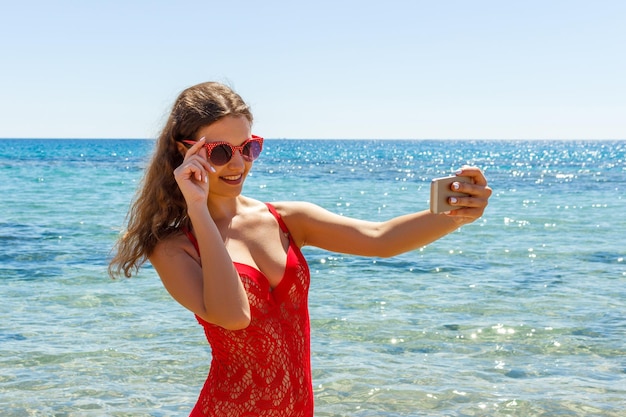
point(521, 313)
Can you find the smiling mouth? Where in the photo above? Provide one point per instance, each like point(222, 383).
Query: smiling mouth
point(232, 178)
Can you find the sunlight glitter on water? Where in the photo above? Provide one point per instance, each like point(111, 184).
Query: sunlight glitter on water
point(485, 322)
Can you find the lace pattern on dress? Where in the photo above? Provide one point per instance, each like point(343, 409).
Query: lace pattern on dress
point(264, 369)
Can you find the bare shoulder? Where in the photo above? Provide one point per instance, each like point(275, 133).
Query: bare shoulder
point(304, 219)
point(173, 246)
point(297, 211)
point(252, 206)
point(254, 214)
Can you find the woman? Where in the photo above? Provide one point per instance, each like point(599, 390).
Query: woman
point(236, 263)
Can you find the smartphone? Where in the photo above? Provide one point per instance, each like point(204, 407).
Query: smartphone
point(440, 192)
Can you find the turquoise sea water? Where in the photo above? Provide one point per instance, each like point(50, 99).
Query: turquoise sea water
point(522, 313)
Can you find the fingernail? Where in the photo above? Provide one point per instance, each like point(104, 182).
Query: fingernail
point(212, 169)
point(458, 172)
point(453, 200)
point(201, 139)
point(455, 185)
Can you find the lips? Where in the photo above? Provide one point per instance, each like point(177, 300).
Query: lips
point(232, 179)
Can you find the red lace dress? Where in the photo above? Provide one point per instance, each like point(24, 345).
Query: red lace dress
point(264, 369)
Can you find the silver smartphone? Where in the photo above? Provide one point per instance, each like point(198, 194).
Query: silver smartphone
point(440, 192)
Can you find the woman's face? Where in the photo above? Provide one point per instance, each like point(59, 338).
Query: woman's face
point(229, 178)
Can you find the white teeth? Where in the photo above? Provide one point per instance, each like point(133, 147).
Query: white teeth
point(233, 177)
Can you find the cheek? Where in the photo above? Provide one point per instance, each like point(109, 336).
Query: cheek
point(248, 167)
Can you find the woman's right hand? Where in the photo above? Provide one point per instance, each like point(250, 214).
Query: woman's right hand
point(192, 175)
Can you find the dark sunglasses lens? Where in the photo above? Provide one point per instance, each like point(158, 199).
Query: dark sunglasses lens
point(252, 150)
point(221, 154)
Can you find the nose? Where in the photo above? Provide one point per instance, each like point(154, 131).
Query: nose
point(237, 160)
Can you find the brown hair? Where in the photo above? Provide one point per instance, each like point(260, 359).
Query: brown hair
point(159, 209)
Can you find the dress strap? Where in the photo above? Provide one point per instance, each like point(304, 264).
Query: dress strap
point(191, 238)
point(279, 219)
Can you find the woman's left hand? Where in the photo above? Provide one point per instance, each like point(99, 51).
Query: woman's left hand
point(473, 206)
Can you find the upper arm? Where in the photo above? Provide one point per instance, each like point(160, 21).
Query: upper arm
point(180, 273)
point(313, 225)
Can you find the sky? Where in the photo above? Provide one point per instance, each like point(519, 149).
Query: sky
point(469, 69)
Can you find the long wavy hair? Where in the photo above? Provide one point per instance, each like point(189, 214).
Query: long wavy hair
point(159, 209)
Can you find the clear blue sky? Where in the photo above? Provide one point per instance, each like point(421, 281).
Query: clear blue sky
point(319, 69)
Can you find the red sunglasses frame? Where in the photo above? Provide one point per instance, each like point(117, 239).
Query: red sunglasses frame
point(209, 146)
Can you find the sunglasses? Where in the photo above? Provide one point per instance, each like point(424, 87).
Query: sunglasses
point(220, 153)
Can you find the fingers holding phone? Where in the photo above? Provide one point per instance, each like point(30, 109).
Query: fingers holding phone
point(444, 192)
point(465, 195)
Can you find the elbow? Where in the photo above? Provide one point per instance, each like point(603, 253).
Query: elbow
point(234, 320)
point(236, 323)
point(390, 252)
point(384, 250)
point(230, 319)
point(239, 318)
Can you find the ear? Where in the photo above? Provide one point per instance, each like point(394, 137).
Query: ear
point(181, 148)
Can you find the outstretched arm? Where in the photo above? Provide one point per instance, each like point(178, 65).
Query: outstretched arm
point(315, 226)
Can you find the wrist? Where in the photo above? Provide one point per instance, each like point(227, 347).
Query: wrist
point(197, 208)
point(459, 221)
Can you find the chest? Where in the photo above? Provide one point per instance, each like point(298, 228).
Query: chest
point(262, 248)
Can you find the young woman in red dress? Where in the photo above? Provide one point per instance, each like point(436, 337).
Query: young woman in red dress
point(235, 262)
